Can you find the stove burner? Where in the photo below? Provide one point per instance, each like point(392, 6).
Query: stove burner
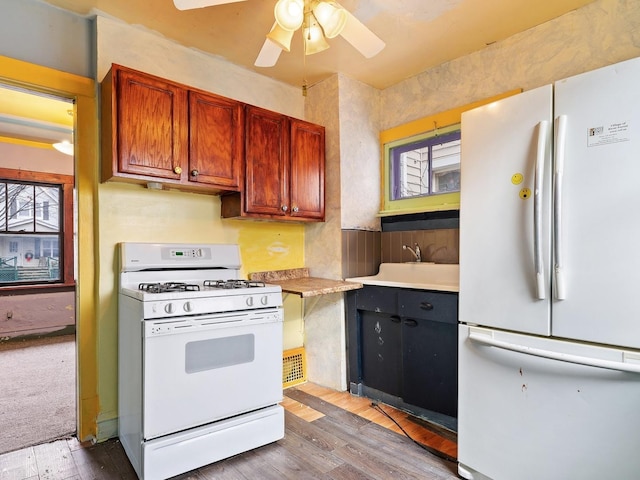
point(168, 287)
point(233, 284)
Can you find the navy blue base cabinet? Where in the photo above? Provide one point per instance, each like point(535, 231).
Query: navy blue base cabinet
point(403, 349)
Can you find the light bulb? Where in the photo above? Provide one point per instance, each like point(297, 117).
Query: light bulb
point(289, 14)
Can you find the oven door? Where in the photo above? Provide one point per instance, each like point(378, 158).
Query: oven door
point(197, 370)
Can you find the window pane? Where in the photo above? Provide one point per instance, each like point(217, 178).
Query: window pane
point(446, 167)
point(29, 258)
point(3, 207)
point(426, 167)
point(414, 165)
point(21, 209)
point(47, 211)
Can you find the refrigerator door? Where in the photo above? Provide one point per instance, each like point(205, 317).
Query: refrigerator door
point(528, 417)
point(504, 259)
point(599, 206)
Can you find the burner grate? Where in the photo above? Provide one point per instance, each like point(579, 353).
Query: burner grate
point(168, 287)
point(229, 284)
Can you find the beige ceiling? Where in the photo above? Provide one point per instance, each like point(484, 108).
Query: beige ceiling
point(34, 117)
point(419, 34)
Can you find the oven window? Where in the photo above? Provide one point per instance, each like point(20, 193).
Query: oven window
point(219, 353)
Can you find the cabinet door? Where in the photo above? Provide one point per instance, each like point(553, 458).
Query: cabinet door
point(430, 359)
point(267, 156)
point(307, 170)
point(381, 345)
point(215, 140)
point(151, 125)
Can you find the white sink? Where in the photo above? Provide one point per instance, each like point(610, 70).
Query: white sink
point(424, 276)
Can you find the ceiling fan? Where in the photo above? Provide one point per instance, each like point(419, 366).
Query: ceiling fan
point(319, 20)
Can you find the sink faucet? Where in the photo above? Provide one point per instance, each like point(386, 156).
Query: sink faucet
point(416, 253)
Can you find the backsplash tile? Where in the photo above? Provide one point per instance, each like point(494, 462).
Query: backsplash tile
point(360, 253)
point(363, 251)
point(439, 246)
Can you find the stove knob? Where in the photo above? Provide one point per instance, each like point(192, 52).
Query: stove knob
point(264, 300)
point(249, 301)
point(169, 308)
point(187, 307)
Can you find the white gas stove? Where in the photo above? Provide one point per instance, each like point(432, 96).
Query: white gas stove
point(200, 357)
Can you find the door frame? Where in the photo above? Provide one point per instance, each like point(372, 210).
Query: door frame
point(82, 91)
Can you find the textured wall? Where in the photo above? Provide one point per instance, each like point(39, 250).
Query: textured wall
point(359, 155)
point(324, 322)
point(601, 33)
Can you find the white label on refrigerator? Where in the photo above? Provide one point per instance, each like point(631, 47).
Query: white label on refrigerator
point(607, 134)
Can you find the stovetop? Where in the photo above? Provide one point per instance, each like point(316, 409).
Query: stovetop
point(164, 287)
point(179, 279)
point(165, 290)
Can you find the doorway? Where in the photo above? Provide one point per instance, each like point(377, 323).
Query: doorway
point(38, 255)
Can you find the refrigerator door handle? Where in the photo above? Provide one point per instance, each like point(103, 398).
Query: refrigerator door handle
point(485, 337)
point(560, 287)
point(543, 129)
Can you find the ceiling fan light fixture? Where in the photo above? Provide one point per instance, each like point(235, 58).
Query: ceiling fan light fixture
point(314, 41)
point(281, 37)
point(65, 147)
point(289, 14)
point(331, 17)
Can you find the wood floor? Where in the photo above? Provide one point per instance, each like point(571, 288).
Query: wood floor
point(329, 435)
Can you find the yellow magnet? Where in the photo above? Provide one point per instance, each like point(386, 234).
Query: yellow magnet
point(517, 178)
point(525, 193)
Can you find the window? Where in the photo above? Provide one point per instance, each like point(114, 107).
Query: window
point(427, 166)
point(436, 186)
point(36, 229)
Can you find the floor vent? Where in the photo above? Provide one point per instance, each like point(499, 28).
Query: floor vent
point(294, 367)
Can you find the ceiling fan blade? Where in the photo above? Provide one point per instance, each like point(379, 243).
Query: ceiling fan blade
point(269, 54)
point(190, 4)
point(363, 39)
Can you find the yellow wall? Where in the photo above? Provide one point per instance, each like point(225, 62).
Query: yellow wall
point(110, 213)
point(83, 91)
point(133, 213)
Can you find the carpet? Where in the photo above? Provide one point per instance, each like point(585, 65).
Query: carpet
point(37, 391)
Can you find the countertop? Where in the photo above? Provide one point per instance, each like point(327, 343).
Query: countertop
point(298, 281)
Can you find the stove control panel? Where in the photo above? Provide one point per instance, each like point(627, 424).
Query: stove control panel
point(203, 323)
point(207, 305)
point(189, 253)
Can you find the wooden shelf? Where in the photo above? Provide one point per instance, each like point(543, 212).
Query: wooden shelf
point(298, 281)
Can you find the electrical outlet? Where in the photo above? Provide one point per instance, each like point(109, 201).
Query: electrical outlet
point(9, 315)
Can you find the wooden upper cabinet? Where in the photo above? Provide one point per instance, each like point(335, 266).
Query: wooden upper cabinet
point(284, 169)
point(307, 170)
point(155, 130)
point(267, 157)
point(148, 128)
point(216, 126)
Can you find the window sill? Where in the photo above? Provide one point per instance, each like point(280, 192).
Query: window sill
point(39, 288)
point(431, 208)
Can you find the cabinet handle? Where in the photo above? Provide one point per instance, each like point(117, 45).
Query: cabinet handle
point(177, 170)
point(295, 209)
point(195, 173)
point(395, 318)
point(426, 306)
point(411, 323)
point(284, 208)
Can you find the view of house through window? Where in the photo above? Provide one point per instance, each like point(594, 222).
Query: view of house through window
point(429, 166)
point(30, 232)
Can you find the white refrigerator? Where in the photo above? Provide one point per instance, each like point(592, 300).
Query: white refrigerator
point(549, 303)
